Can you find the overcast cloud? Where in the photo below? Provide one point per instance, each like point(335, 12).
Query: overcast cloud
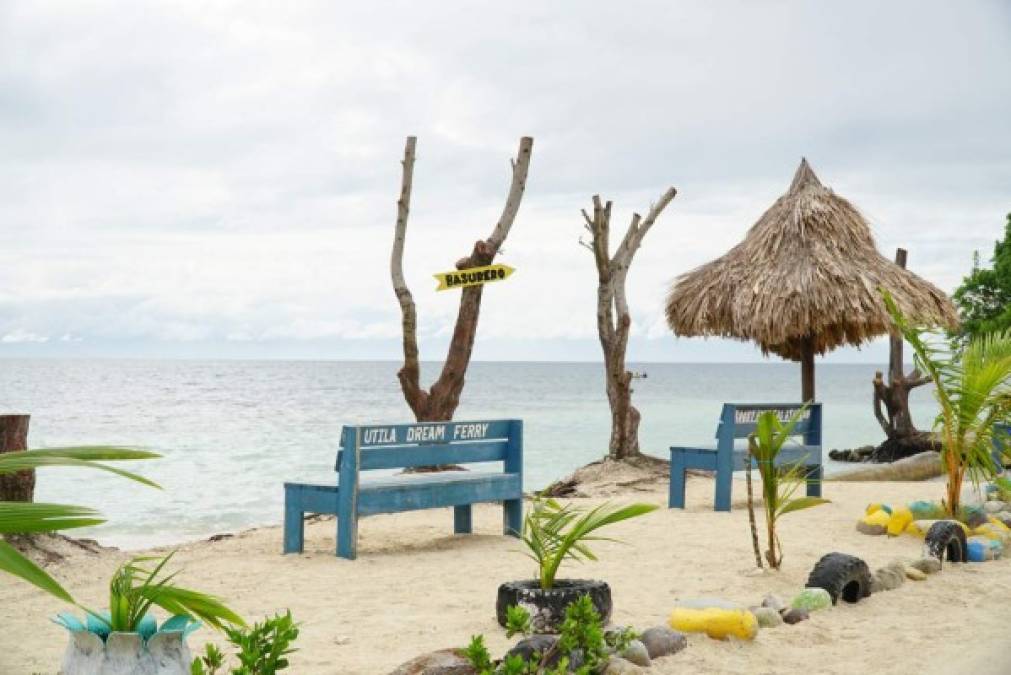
point(185, 180)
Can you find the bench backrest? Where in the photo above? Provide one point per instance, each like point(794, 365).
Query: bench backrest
point(738, 420)
point(400, 446)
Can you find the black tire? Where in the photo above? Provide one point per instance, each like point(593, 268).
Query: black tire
point(547, 608)
point(946, 540)
point(843, 576)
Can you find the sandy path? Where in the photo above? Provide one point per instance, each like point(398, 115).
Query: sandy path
point(415, 587)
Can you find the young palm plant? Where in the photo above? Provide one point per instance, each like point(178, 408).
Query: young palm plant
point(779, 483)
point(973, 391)
point(30, 518)
point(554, 533)
point(134, 590)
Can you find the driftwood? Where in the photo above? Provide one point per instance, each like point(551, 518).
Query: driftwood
point(918, 467)
point(441, 400)
point(613, 320)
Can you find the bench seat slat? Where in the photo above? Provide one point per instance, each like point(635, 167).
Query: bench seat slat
point(410, 493)
point(429, 455)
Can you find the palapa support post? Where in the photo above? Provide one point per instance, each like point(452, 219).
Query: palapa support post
point(20, 485)
point(807, 370)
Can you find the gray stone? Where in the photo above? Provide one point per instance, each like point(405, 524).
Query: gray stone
point(993, 507)
point(927, 565)
point(637, 653)
point(774, 602)
point(767, 617)
point(662, 641)
point(441, 662)
point(870, 528)
point(887, 579)
point(619, 666)
point(535, 643)
point(794, 615)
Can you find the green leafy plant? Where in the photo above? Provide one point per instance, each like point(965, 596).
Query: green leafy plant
point(581, 632)
point(262, 649)
point(29, 518)
point(135, 589)
point(779, 483)
point(972, 385)
point(554, 533)
point(984, 298)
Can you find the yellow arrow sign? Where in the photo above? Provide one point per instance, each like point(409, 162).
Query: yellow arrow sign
point(472, 276)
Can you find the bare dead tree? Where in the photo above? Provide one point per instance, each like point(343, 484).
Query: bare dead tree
point(613, 321)
point(891, 401)
point(440, 401)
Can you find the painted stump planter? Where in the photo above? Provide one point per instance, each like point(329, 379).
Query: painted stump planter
point(93, 650)
point(547, 606)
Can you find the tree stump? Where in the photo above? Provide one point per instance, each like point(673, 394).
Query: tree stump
point(20, 485)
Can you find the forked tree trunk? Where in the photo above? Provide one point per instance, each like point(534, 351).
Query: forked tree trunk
point(613, 321)
point(896, 420)
point(439, 402)
point(20, 485)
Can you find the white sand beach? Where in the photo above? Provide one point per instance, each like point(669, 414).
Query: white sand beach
point(416, 588)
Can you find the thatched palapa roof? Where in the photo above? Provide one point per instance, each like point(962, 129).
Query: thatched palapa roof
point(807, 272)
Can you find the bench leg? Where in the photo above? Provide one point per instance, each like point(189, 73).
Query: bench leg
point(724, 483)
point(676, 498)
point(814, 476)
point(294, 526)
point(462, 523)
point(512, 516)
point(347, 535)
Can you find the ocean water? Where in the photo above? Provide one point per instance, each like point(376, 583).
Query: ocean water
point(232, 432)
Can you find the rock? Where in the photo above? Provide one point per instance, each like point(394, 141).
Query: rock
point(974, 516)
point(916, 574)
point(441, 662)
point(794, 615)
point(924, 510)
point(619, 666)
point(1003, 516)
point(874, 523)
point(887, 579)
point(897, 522)
point(982, 549)
point(927, 565)
point(767, 617)
point(773, 602)
point(812, 599)
point(637, 653)
point(535, 643)
point(994, 506)
point(662, 641)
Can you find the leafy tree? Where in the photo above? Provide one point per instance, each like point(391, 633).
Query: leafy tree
point(984, 298)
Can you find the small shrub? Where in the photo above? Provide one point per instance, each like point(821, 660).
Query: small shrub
point(262, 649)
point(581, 631)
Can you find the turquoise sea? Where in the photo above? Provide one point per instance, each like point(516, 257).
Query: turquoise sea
point(232, 431)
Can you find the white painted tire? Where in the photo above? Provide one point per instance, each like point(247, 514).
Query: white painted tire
point(126, 654)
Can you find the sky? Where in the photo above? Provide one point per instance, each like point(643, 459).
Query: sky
point(219, 180)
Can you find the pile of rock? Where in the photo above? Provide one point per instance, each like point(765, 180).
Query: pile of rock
point(653, 643)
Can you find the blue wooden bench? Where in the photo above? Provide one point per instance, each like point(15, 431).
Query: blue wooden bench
point(398, 446)
point(737, 421)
